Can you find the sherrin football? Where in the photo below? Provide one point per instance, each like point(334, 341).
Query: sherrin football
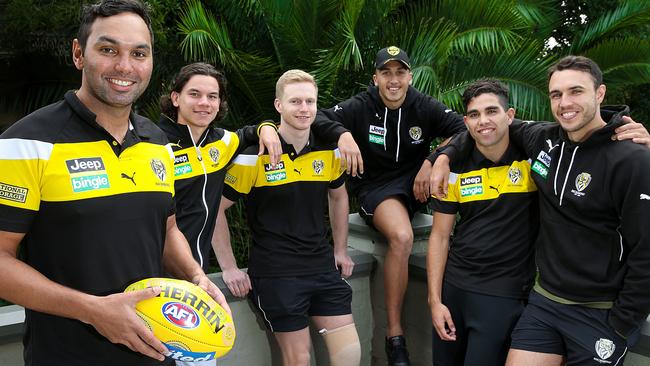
point(186, 319)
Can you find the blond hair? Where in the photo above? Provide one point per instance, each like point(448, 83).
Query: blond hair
point(290, 77)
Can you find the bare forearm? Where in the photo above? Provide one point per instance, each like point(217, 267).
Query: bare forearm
point(436, 262)
point(221, 243)
point(339, 209)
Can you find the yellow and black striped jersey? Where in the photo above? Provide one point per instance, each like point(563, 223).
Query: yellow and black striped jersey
point(491, 251)
point(94, 212)
point(286, 206)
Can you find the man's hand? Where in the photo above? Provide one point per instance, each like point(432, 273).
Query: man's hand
point(439, 179)
point(114, 317)
point(351, 158)
point(343, 260)
point(442, 322)
point(270, 141)
point(237, 281)
point(421, 183)
point(632, 131)
point(208, 286)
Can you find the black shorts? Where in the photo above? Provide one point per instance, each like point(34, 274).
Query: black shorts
point(372, 194)
point(483, 326)
point(286, 303)
point(580, 333)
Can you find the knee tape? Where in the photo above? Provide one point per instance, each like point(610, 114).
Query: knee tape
point(343, 345)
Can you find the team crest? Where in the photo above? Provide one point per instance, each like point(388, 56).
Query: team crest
point(582, 181)
point(415, 132)
point(605, 348)
point(514, 174)
point(214, 154)
point(318, 166)
point(393, 51)
point(159, 169)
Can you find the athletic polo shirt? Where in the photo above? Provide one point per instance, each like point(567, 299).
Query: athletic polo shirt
point(491, 251)
point(286, 207)
point(94, 213)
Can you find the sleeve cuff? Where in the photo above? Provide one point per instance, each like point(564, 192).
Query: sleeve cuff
point(266, 122)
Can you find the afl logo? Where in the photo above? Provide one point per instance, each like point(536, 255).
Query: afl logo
point(181, 315)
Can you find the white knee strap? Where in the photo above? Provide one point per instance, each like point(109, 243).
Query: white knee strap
point(343, 345)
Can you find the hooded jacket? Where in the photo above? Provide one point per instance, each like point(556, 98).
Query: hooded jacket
point(199, 173)
point(593, 246)
point(392, 142)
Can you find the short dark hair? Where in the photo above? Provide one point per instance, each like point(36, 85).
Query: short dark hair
point(579, 63)
point(183, 76)
point(485, 86)
point(109, 8)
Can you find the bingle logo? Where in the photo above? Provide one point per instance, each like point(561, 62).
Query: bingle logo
point(85, 165)
point(181, 315)
point(471, 180)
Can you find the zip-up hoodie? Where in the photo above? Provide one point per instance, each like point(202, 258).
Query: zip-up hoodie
point(594, 234)
point(199, 173)
point(392, 142)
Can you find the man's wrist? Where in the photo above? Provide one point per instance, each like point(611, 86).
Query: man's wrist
point(266, 122)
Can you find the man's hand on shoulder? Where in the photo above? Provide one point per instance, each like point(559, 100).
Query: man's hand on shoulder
point(632, 131)
point(351, 158)
point(269, 139)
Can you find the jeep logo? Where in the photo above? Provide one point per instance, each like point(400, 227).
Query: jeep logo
point(471, 180)
point(279, 166)
point(180, 159)
point(84, 165)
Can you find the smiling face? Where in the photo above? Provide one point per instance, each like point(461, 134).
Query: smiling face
point(198, 102)
point(297, 105)
point(488, 122)
point(575, 102)
point(392, 81)
point(116, 63)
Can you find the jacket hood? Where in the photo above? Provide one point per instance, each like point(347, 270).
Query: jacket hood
point(612, 115)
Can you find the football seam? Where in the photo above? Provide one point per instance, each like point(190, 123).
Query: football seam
point(180, 334)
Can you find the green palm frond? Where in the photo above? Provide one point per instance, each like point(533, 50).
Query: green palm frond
point(614, 53)
point(542, 16)
point(630, 14)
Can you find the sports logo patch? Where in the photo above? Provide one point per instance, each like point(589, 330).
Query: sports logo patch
point(214, 154)
point(81, 165)
point(393, 51)
point(415, 132)
point(181, 159)
point(582, 181)
point(540, 169)
point(230, 178)
point(181, 315)
point(604, 349)
point(377, 130)
point(269, 167)
point(466, 181)
point(544, 158)
point(275, 174)
point(471, 186)
point(13, 193)
point(182, 169)
point(159, 169)
point(318, 166)
point(514, 175)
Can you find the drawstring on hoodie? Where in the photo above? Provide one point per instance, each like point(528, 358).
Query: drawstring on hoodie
point(566, 177)
point(399, 123)
point(203, 200)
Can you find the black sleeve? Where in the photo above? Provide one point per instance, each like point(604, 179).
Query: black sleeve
point(249, 135)
point(524, 135)
point(447, 122)
point(631, 191)
point(459, 147)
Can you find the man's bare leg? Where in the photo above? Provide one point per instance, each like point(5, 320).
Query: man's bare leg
point(517, 357)
point(295, 347)
point(392, 220)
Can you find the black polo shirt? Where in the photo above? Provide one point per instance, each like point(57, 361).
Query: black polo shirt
point(491, 250)
point(286, 207)
point(94, 212)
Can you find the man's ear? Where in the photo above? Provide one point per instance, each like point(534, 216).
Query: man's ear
point(174, 97)
point(77, 54)
point(374, 79)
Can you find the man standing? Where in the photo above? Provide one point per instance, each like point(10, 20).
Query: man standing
point(394, 125)
point(292, 266)
point(593, 247)
point(87, 191)
point(488, 267)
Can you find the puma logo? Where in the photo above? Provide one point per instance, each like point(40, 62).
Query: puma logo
point(550, 145)
point(298, 171)
point(644, 197)
point(131, 178)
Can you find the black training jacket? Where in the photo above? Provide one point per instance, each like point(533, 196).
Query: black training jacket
point(392, 142)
